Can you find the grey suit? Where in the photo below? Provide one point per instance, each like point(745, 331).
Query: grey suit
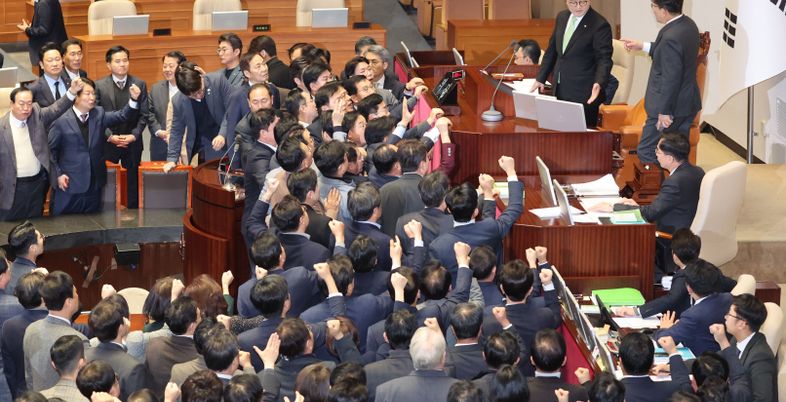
point(42, 94)
point(40, 118)
point(236, 77)
point(181, 371)
point(131, 372)
point(163, 353)
point(39, 338)
point(419, 385)
point(399, 197)
point(758, 361)
point(65, 390)
point(158, 101)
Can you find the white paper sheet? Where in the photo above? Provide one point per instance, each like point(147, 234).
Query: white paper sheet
point(605, 186)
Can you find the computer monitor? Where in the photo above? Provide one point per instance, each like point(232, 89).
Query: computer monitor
point(8, 77)
point(130, 24)
point(410, 59)
point(558, 115)
point(458, 58)
point(230, 20)
point(562, 202)
point(525, 105)
point(329, 17)
point(545, 182)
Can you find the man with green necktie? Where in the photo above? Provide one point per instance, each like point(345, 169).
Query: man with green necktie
point(579, 56)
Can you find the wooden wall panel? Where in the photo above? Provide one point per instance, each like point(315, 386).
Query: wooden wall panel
point(12, 12)
point(482, 40)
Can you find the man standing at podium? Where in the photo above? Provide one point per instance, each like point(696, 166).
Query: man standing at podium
point(579, 55)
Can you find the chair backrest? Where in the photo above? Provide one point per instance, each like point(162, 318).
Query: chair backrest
point(622, 68)
point(773, 326)
point(701, 67)
point(100, 13)
point(746, 283)
point(135, 297)
point(304, 7)
point(203, 12)
point(510, 9)
point(115, 181)
point(720, 201)
point(461, 10)
point(159, 190)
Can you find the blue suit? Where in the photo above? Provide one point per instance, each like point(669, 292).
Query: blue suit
point(217, 91)
point(83, 163)
point(364, 310)
point(9, 307)
point(303, 291)
point(355, 229)
point(13, 334)
point(258, 337)
point(237, 108)
point(488, 232)
point(692, 330)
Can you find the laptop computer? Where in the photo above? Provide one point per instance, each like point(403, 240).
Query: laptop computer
point(8, 77)
point(230, 20)
point(458, 58)
point(130, 24)
point(329, 17)
point(562, 202)
point(412, 62)
point(525, 105)
point(559, 115)
point(545, 181)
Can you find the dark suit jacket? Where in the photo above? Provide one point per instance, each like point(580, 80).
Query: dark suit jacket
point(131, 372)
point(9, 307)
point(488, 231)
point(693, 327)
point(419, 385)
point(47, 26)
point(354, 229)
point(164, 352)
point(301, 252)
point(157, 103)
point(374, 282)
point(105, 97)
point(442, 309)
point(643, 389)
point(237, 108)
point(395, 86)
point(678, 299)
point(13, 353)
point(19, 268)
point(217, 91)
point(672, 88)
point(585, 61)
point(65, 76)
point(675, 205)
point(318, 228)
point(740, 388)
point(398, 364)
point(40, 118)
point(492, 296)
point(303, 288)
point(75, 158)
point(399, 197)
point(258, 337)
point(378, 179)
point(42, 95)
point(364, 310)
point(255, 159)
point(542, 389)
point(279, 74)
point(467, 361)
point(760, 364)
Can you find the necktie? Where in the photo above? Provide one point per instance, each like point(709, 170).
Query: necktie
point(569, 32)
point(22, 124)
point(121, 84)
point(83, 116)
point(57, 90)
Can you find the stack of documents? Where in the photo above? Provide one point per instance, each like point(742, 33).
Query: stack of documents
point(522, 86)
point(603, 187)
point(637, 322)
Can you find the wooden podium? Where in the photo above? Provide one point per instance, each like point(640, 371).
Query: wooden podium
point(212, 231)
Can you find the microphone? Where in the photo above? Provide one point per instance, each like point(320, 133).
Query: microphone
point(493, 114)
point(227, 184)
point(512, 45)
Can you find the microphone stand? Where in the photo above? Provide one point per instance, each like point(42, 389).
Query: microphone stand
point(512, 44)
point(493, 114)
point(228, 186)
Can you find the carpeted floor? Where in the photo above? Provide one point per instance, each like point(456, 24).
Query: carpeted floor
point(399, 25)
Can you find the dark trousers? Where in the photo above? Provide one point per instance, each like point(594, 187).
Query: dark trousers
point(590, 109)
point(28, 198)
point(83, 203)
point(129, 158)
point(650, 135)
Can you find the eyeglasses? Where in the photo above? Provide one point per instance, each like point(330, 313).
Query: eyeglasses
point(578, 3)
point(732, 315)
point(222, 50)
point(374, 62)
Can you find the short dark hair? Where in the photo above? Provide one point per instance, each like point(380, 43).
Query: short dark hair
point(379, 128)
point(466, 320)
point(509, 385)
point(23, 235)
point(220, 349)
point(31, 396)
point(751, 310)
point(233, 39)
point(399, 328)
point(530, 48)
point(709, 364)
point(300, 183)
point(243, 388)
point(69, 42)
point(290, 154)
point(313, 382)
point(482, 261)
point(202, 386)
point(465, 391)
point(433, 188)
point(548, 350)
point(329, 156)
point(266, 250)
point(4, 264)
point(245, 61)
point(286, 214)
point(606, 388)
point(116, 49)
point(297, 65)
point(363, 253)
point(462, 201)
point(143, 395)
point(384, 158)
point(57, 287)
point(500, 349)
point(636, 353)
point(312, 72)
point(269, 295)
point(294, 101)
point(304, 46)
point(435, 281)
point(323, 94)
point(47, 47)
point(410, 154)
point(187, 78)
point(516, 279)
point(181, 313)
point(685, 245)
point(349, 121)
point(294, 334)
point(369, 104)
point(158, 299)
point(348, 372)
point(262, 118)
point(412, 287)
point(175, 54)
point(96, 376)
point(342, 272)
point(105, 320)
point(203, 332)
point(702, 277)
point(28, 289)
point(362, 200)
point(672, 6)
point(17, 90)
point(348, 391)
point(364, 41)
point(675, 145)
point(350, 66)
point(66, 352)
point(87, 82)
point(262, 42)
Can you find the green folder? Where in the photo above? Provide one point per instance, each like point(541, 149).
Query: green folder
point(627, 217)
point(620, 297)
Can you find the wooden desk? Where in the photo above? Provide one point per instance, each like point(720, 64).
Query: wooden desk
point(178, 14)
point(481, 40)
point(200, 47)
